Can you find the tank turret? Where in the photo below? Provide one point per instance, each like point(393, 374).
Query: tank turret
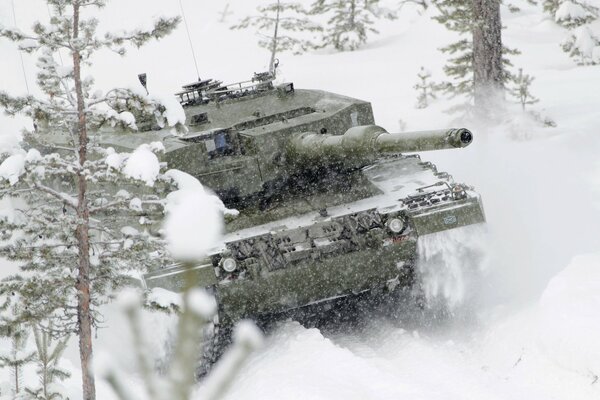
point(243, 160)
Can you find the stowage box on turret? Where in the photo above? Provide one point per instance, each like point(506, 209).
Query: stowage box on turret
point(330, 206)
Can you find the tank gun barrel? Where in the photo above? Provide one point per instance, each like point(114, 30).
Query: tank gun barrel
point(365, 141)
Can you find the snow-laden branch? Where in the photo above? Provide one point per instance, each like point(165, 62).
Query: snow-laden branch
point(160, 28)
point(104, 207)
point(68, 200)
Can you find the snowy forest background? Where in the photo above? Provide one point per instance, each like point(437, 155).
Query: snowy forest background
point(528, 325)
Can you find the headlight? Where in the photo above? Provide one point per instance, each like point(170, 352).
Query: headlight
point(229, 264)
point(395, 225)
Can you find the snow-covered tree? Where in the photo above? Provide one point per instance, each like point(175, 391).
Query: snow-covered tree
point(65, 232)
point(582, 19)
point(571, 13)
point(349, 21)
point(520, 89)
point(488, 69)
point(583, 44)
point(425, 88)
point(279, 25)
point(49, 352)
point(178, 380)
point(19, 354)
point(456, 15)
point(467, 68)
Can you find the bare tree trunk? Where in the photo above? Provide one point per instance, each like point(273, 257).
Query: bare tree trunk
point(84, 320)
point(275, 40)
point(487, 56)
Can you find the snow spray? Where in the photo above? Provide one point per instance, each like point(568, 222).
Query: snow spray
point(450, 264)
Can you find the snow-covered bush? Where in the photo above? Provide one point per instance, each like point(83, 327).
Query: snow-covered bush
point(190, 209)
point(178, 382)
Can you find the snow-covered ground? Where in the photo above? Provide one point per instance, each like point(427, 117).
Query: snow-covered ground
point(530, 328)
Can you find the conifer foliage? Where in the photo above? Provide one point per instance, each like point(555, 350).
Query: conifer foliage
point(520, 90)
point(279, 25)
point(425, 87)
point(350, 22)
point(66, 231)
point(582, 19)
point(19, 354)
point(48, 355)
point(341, 24)
point(458, 16)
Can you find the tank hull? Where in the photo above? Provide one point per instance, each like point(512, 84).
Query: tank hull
point(335, 250)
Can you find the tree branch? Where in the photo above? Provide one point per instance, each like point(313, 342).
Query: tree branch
point(68, 200)
point(109, 205)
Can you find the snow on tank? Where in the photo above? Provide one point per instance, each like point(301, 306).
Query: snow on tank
point(329, 203)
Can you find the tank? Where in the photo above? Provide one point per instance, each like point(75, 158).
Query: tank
point(331, 205)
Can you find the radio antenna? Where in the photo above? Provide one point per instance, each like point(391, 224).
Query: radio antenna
point(20, 52)
point(187, 29)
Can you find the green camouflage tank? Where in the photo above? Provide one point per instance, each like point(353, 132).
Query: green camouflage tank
point(330, 205)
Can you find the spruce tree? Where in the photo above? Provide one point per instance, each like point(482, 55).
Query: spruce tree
point(520, 89)
point(349, 21)
point(583, 44)
point(488, 70)
point(571, 13)
point(72, 250)
point(49, 352)
point(478, 61)
point(19, 354)
point(425, 88)
point(279, 25)
point(581, 18)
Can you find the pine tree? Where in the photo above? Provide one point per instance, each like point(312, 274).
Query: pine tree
point(571, 13)
point(520, 89)
point(19, 354)
point(73, 251)
point(48, 356)
point(455, 15)
point(488, 69)
point(459, 16)
point(581, 18)
point(350, 21)
point(425, 88)
point(278, 26)
point(583, 45)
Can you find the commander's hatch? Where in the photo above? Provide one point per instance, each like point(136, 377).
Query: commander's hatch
point(219, 142)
